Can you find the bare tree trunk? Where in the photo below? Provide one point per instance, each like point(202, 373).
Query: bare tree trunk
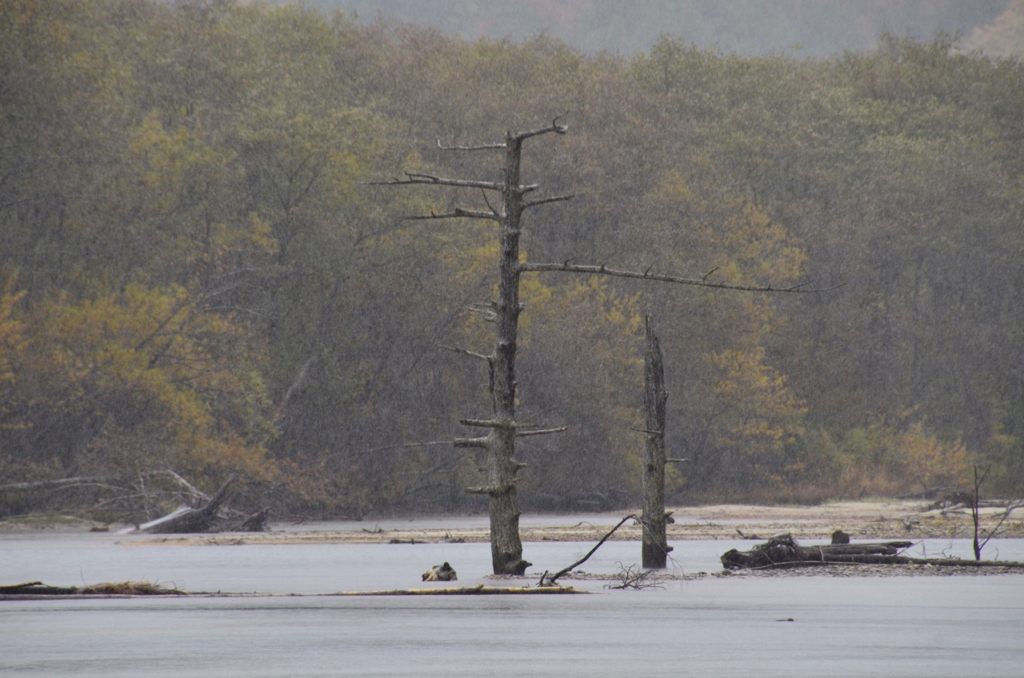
point(506, 546)
point(654, 548)
point(502, 467)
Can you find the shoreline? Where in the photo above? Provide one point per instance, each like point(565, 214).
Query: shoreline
point(862, 520)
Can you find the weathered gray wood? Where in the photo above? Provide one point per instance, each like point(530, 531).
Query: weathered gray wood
point(190, 520)
point(782, 550)
point(506, 546)
point(499, 444)
point(257, 522)
point(654, 543)
point(550, 580)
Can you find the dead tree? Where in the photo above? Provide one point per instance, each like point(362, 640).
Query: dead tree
point(980, 538)
point(654, 543)
point(502, 428)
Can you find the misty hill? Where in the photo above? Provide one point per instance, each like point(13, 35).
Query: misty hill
point(748, 27)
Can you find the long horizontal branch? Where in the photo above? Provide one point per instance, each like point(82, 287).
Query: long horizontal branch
point(487, 423)
point(647, 275)
point(553, 127)
point(541, 432)
point(478, 147)
point(463, 351)
point(413, 178)
point(544, 201)
point(54, 484)
point(399, 446)
point(98, 481)
point(459, 213)
point(442, 181)
point(471, 442)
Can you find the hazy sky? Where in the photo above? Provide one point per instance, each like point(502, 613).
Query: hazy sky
point(801, 27)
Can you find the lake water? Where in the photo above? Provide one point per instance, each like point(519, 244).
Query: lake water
point(893, 626)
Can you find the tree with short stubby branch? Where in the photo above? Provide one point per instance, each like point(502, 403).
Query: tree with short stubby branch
point(503, 429)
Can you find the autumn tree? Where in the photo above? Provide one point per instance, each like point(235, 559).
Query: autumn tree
point(210, 153)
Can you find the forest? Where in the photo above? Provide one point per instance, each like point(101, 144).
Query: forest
point(199, 274)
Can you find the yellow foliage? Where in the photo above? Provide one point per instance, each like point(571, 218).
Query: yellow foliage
point(760, 409)
point(930, 461)
point(12, 344)
point(886, 460)
point(147, 365)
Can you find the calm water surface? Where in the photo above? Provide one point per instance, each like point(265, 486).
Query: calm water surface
point(897, 626)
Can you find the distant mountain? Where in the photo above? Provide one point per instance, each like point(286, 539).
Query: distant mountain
point(749, 27)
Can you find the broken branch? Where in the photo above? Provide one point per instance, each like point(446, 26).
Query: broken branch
point(463, 351)
point(545, 580)
point(470, 442)
point(493, 490)
point(544, 201)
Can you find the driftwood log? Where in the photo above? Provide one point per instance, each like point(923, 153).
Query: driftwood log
point(257, 522)
point(127, 588)
point(188, 520)
point(479, 589)
point(782, 551)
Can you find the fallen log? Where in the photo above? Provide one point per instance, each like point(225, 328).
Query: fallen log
point(127, 588)
point(478, 590)
point(782, 551)
point(782, 548)
point(35, 590)
point(188, 520)
point(257, 522)
point(832, 551)
point(900, 560)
